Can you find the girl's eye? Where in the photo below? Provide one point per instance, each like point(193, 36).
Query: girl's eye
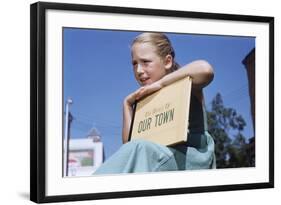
point(142, 63)
point(135, 66)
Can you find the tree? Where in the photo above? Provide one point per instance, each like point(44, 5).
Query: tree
point(226, 126)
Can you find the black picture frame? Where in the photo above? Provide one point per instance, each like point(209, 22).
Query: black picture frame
point(38, 101)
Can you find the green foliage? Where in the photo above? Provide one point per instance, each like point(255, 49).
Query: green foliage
point(226, 126)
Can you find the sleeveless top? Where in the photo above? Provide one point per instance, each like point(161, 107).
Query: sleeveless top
point(197, 116)
point(198, 127)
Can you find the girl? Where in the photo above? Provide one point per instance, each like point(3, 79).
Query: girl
point(153, 60)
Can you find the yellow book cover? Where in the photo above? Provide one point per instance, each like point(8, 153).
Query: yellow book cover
point(162, 117)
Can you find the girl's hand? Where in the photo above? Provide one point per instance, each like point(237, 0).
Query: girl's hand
point(147, 90)
point(130, 99)
point(142, 92)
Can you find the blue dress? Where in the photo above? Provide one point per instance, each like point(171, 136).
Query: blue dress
point(145, 156)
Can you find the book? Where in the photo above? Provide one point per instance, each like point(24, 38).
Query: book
point(163, 117)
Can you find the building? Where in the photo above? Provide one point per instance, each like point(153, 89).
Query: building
point(85, 155)
point(249, 63)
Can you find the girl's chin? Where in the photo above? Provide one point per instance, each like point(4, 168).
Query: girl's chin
point(144, 83)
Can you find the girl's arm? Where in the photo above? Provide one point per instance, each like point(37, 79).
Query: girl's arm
point(200, 71)
point(127, 114)
point(127, 118)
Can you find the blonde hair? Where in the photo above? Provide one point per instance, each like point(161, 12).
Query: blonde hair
point(162, 44)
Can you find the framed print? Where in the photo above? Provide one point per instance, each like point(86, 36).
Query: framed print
point(90, 64)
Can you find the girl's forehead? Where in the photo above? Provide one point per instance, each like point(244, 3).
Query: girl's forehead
point(143, 46)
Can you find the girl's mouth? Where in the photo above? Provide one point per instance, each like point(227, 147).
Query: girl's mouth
point(144, 80)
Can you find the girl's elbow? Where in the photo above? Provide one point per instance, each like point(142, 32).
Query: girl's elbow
point(209, 74)
point(206, 67)
point(207, 71)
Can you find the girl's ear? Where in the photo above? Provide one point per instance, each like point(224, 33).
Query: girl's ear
point(168, 62)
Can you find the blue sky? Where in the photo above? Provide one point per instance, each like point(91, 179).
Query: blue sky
point(98, 75)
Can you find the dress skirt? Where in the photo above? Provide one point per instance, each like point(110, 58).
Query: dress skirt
point(144, 156)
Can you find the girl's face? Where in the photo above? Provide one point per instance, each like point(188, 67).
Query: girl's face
point(148, 66)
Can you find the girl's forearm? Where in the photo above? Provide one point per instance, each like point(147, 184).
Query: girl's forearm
point(127, 118)
point(200, 71)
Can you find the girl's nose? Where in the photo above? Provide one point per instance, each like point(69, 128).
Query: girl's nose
point(139, 68)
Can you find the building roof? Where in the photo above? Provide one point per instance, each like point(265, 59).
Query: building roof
point(249, 56)
point(93, 132)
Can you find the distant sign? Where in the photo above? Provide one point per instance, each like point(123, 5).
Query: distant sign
point(85, 156)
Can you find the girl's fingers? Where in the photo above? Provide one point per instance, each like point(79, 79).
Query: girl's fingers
point(141, 93)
